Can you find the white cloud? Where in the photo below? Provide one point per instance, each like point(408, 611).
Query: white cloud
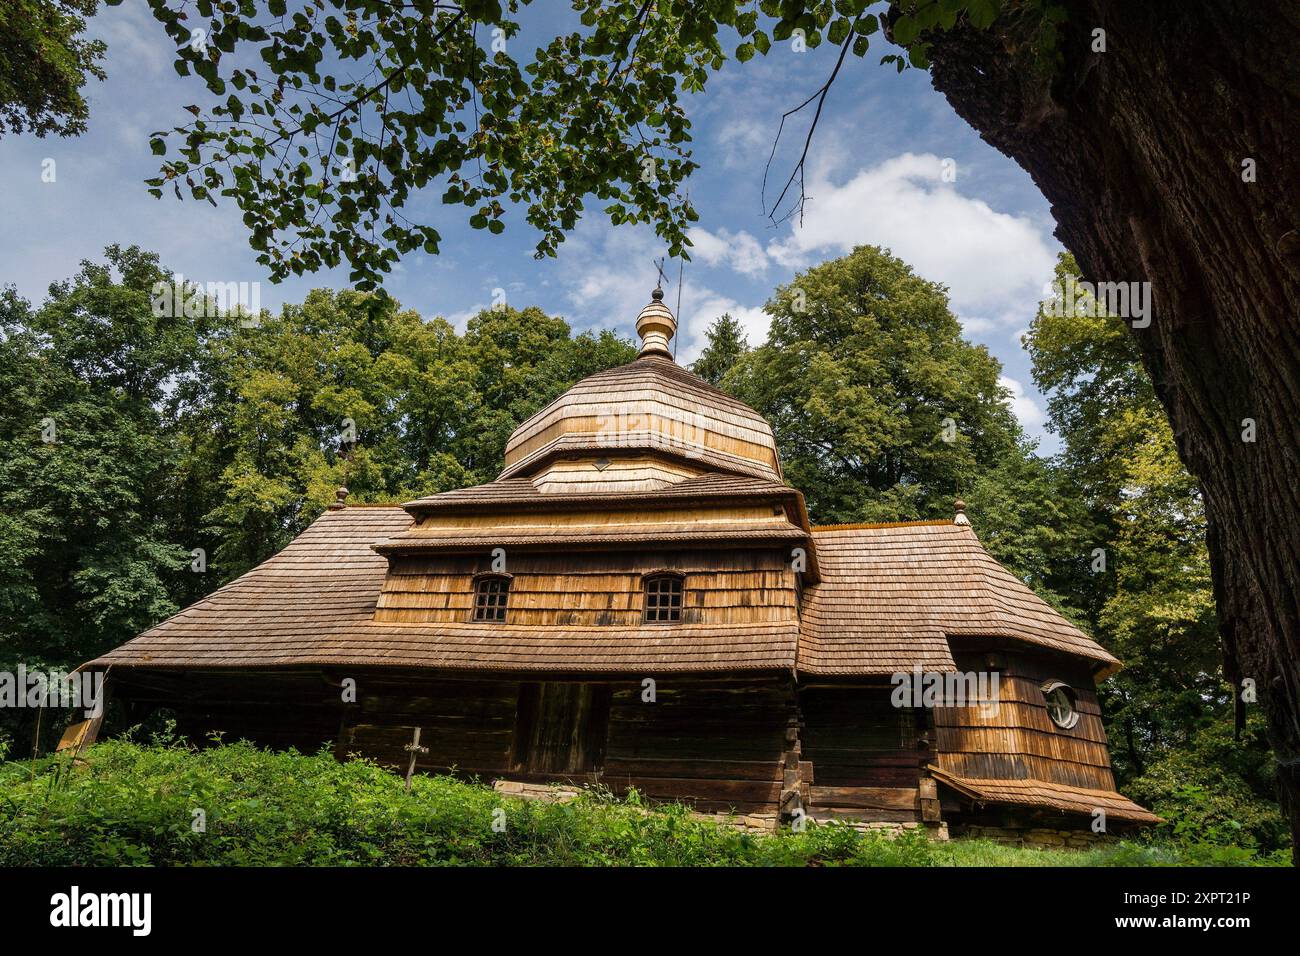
point(609, 274)
point(1025, 409)
point(460, 320)
point(738, 250)
point(974, 324)
point(991, 262)
point(134, 37)
point(742, 139)
point(701, 307)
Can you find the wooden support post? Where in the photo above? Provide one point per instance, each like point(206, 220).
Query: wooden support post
point(928, 801)
point(792, 764)
point(927, 790)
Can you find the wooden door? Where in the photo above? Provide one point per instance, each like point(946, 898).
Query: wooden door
point(561, 728)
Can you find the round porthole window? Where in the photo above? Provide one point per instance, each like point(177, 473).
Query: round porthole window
point(1060, 705)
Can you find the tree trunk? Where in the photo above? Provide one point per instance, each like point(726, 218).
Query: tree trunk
point(1140, 150)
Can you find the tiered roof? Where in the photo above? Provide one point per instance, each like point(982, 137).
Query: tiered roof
point(877, 599)
point(891, 597)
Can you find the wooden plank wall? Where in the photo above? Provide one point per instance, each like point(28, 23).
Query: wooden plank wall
point(725, 586)
point(560, 728)
point(639, 421)
point(865, 753)
point(278, 709)
point(468, 725)
point(617, 476)
point(1021, 741)
point(717, 745)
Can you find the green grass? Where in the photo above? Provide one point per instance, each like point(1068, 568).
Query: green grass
point(130, 804)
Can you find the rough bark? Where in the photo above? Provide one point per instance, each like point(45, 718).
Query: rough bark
point(1139, 149)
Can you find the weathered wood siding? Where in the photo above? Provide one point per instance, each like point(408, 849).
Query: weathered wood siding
point(716, 745)
point(1020, 741)
point(651, 403)
point(613, 476)
point(725, 587)
point(468, 726)
point(864, 754)
point(279, 709)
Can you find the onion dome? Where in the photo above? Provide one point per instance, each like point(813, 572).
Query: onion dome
point(656, 325)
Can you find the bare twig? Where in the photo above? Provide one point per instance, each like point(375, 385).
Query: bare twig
point(798, 172)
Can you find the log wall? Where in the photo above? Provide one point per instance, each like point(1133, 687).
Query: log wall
point(468, 726)
point(716, 745)
point(862, 755)
point(277, 709)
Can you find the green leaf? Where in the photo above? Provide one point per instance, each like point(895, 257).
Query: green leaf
point(905, 31)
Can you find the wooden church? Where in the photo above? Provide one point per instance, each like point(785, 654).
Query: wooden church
point(640, 601)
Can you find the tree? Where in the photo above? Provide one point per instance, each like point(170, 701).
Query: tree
point(350, 389)
point(1145, 590)
point(727, 343)
point(1162, 135)
point(88, 555)
point(44, 64)
point(133, 434)
point(359, 105)
point(881, 410)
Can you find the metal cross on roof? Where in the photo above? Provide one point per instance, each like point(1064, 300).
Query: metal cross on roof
point(415, 750)
point(659, 264)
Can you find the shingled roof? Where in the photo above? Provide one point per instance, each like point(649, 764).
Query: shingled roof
point(651, 403)
point(891, 597)
point(302, 606)
point(898, 594)
point(313, 603)
point(516, 494)
point(1046, 796)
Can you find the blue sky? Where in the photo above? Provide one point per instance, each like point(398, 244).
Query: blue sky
point(875, 177)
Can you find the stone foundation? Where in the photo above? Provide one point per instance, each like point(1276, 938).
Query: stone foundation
point(934, 831)
point(547, 792)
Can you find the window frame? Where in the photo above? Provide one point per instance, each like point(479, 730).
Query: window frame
point(1072, 700)
point(651, 578)
point(481, 581)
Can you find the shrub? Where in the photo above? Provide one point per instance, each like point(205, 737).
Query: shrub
point(126, 803)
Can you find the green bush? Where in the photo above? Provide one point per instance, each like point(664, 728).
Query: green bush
point(1217, 791)
point(125, 803)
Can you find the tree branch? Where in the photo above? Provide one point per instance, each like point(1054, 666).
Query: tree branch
point(799, 169)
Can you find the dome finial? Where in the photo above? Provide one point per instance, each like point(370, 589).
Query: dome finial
point(960, 507)
point(656, 325)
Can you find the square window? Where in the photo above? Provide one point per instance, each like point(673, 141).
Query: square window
point(663, 599)
point(490, 597)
